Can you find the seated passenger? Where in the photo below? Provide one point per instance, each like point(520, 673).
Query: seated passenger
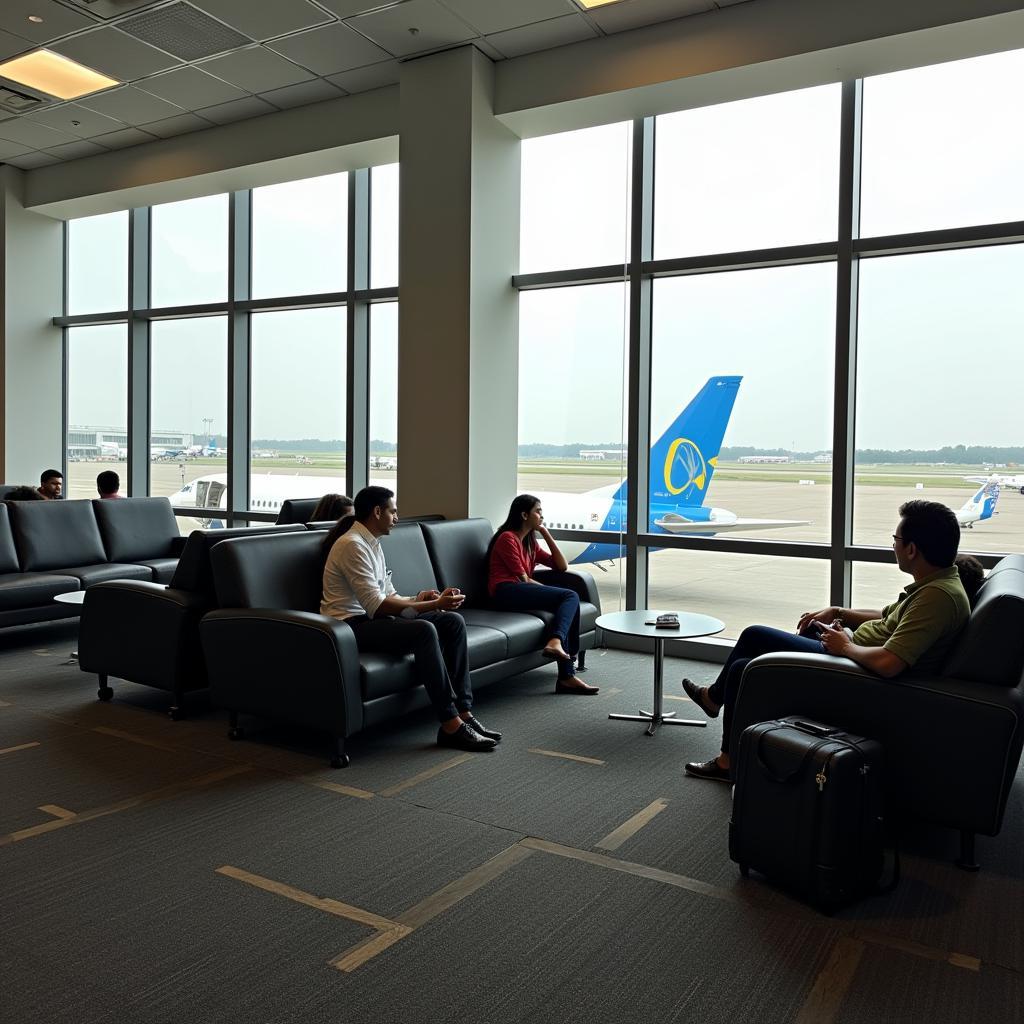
point(358, 590)
point(512, 557)
point(331, 506)
point(24, 493)
point(108, 483)
point(972, 575)
point(916, 631)
point(51, 484)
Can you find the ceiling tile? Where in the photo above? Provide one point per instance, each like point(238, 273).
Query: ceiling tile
point(178, 125)
point(256, 70)
point(10, 45)
point(299, 95)
point(542, 36)
point(237, 110)
point(74, 150)
point(347, 8)
point(116, 54)
point(57, 20)
point(190, 88)
point(28, 133)
point(184, 31)
point(392, 27)
point(636, 13)
point(328, 50)
point(9, 149)
point(264, 21)
point(76, 120)
point(125, 137)
point(374, 76)
point(131, 105)
point(32, 160)
point(490, 16)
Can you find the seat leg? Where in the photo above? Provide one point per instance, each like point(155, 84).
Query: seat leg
point(175, 712)
point(581, 661)
point(339, 759)
point(235, 731)
point(104, 692)
point(966, 861)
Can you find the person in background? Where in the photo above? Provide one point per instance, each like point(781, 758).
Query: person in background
point(512, 558)
point(24, 493)
point(972, 575)
point(331, 506)
point(51, 484)
point(108, 483)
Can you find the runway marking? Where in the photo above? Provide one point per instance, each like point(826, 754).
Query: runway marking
point(629, 828)
point(567, 757)
point(832, 984)
point(430, 773)
point(164, 793)
point(334, 787)
point(20, 746)
point(426, 910)
point(133, 738)
point(57, 812)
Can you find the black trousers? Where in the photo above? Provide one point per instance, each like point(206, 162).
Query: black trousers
point(437, 642)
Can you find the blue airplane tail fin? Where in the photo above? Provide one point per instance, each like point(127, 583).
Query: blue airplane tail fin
point(683, 459)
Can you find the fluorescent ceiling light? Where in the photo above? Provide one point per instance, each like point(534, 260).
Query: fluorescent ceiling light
point(55, 75)
point(596, 3)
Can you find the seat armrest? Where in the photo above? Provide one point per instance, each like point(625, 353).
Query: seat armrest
point(177, 546)
point(574, 579)
point(299, 665)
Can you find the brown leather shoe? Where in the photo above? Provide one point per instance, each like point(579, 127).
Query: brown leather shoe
point(583, 690)
point(699, 696)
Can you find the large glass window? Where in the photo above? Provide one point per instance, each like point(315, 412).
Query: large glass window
point(741, 403)
point(384, 393)
point(753, 174)
point(575, 199)
point(188, 406)
point(98, 264)
point(97, 407)
point(384, 226)
point(942, 146)
point(938, 363)
point(298, 406)
point(189, 242)
point(299, 242)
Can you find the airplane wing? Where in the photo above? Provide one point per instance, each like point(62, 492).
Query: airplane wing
point(681, 526)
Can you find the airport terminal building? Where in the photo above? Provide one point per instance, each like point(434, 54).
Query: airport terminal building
point(717, 265)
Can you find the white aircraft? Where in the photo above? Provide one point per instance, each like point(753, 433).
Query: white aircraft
point(981, 506)
point(112, 450)
point(1013, 483)
point(383, 462)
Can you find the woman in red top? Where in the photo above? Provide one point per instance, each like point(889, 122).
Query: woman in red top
point(512, 557)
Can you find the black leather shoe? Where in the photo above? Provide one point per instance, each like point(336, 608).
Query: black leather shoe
point(464, 738)
point(708, 770)
point(478, 727)
point(580, 691)
point(699, 696)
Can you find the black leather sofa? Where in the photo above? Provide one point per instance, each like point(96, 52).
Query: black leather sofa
point(952, 741)
point(148, 633)
point(269, 651)
point(52, 547)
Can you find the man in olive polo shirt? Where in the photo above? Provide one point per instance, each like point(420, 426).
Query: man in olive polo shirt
point(917, 631)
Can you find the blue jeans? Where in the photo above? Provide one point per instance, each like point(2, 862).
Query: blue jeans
point(753, 642)
point(564, 606)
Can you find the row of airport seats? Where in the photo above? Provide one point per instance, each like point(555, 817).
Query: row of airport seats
point(952, 740)
point(252, 631)
point(55, 547)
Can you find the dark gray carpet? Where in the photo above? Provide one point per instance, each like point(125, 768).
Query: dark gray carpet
point(125, 918)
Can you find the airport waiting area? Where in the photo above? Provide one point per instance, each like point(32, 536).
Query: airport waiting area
point(513, 511)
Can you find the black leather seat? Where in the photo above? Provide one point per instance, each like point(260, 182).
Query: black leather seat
point(141, 531)
point(296, 510)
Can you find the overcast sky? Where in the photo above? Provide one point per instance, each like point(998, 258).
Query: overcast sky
point(940, 353)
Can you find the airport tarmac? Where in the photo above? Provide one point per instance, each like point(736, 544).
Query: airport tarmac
point(739, 589)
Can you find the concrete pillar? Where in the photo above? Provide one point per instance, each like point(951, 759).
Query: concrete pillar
point(31, 356)
point(458, 362)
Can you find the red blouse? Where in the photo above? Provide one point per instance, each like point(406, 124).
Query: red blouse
point(510, 561)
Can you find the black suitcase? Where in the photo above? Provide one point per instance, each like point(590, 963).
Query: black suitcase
point(807, 810)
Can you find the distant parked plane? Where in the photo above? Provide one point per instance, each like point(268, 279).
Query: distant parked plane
point(980, 507)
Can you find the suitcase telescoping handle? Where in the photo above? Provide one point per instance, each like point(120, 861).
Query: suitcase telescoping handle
point(816, 728)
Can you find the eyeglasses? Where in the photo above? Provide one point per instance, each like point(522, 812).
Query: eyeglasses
point(896, 536)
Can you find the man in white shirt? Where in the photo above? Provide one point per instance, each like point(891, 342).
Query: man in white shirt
point(358, 590)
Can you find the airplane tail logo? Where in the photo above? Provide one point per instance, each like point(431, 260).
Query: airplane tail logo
point(683, 459)
point(982, 505)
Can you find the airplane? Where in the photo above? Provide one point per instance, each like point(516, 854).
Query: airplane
point(1014, 483)
point(112, 450)
point(383, 462)
point(982, 506)
point(680, 474)
point(682, 463)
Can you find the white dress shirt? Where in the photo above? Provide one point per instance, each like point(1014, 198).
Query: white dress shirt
point(356, 577)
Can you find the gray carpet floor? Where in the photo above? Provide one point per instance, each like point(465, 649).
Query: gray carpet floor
point(153, 871)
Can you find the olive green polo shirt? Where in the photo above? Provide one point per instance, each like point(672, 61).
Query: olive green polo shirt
point(922, 625)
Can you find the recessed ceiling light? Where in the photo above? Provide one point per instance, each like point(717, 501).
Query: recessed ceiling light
point(35, 19)
point(596, 3)
point(55, 75)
